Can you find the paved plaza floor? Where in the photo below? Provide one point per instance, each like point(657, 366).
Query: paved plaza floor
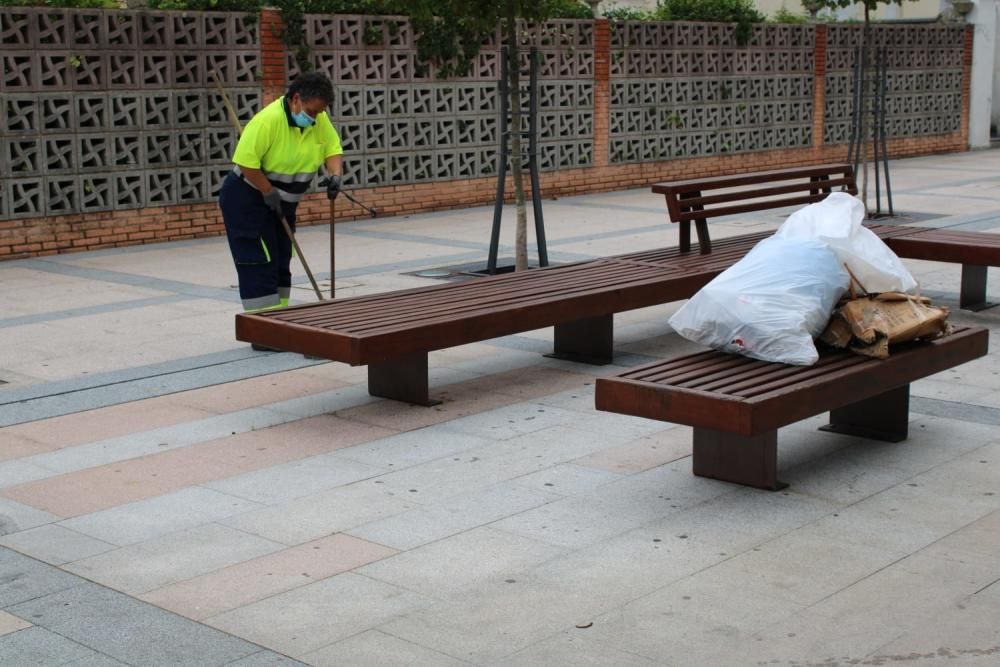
point(170, 497)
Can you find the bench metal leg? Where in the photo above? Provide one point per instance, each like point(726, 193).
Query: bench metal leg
point(751, 461)
point(883, 417)
point(403, 379)
point(973, 295)
point(589, 341)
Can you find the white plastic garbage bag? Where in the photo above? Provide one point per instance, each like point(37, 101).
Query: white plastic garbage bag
point(769, 305)
point(836, 221)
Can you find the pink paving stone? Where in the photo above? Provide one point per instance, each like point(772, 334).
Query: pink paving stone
point(336, 372)
point(641, 454)
point(456, 355)
point(258, 391)
point(457, 400)
point(254, 580)
point(111, 485)
point(18, 446)
point(534, 382)
point(10, 623)
point(86, 491)
point(292, 441)
point(95, 425)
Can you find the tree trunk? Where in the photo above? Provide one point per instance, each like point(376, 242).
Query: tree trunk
point(514, 72)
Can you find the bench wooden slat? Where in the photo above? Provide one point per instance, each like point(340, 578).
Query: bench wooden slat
point(884, 231)
point(754, 178)
point(749, 207)
point(475, 301)
point(774, 383)
point(362, 308)
point(944, 245)
point(748, 383)
point(626, 278)
point(760, 193)
point(747, 374)
point(722, 254)
point(695, 374)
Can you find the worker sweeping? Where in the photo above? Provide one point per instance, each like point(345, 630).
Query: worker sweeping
point(277, 156)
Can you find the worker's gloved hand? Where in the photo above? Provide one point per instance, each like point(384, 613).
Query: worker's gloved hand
point(273, 200)
point(333, 187)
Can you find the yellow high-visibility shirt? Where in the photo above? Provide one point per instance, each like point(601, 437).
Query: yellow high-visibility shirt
point(288, 155)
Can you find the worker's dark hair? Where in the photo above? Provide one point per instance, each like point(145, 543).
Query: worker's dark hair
point(311, 86)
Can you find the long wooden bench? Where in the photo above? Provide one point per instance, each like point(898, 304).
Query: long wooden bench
point(736, 404)
point(700, 200)
point(392, 333)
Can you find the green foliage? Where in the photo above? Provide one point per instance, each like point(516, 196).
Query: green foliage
point(784, 15)
point(730, 11)
point(250, 6)
point(75, 4)
point(619, 13)
point(741, 12)
point(450, 32)
point(569, 9)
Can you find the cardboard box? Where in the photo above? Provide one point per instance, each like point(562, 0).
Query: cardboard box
point(870, 324)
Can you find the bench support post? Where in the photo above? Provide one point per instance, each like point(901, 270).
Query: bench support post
point(973, 295)
point(701, 225)
point(882, 417)
point(403, 379)
point(752, 461)
point(589, 341)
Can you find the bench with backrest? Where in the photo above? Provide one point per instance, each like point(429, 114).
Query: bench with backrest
point(700, 200)
point(736, 405)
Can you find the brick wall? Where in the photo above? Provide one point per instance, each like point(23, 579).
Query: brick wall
point(58, 234)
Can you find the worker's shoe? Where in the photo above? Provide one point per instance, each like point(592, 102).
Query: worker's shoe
point(263, 348)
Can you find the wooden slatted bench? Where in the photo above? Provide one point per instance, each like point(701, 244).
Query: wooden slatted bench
point(975, 251)
point(737, 404)
point(698, 200)
point(392, 333)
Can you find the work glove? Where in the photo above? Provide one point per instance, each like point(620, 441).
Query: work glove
point(273, 200)
point(333, 187)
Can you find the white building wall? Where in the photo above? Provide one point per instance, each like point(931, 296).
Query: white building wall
point(983, 90)
point(909, 10)
point(921, 9)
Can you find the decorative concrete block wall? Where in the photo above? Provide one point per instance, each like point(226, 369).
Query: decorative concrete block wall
point(923, 81)
point(110, 110)
point(683, 89)
point(112, 132)
point(401, 124)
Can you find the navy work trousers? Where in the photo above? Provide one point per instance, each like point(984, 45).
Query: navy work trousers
point(261, 249)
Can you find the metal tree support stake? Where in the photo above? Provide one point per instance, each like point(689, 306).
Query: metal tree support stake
point(871, 106)
point(881, 125)
point(502, 158)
